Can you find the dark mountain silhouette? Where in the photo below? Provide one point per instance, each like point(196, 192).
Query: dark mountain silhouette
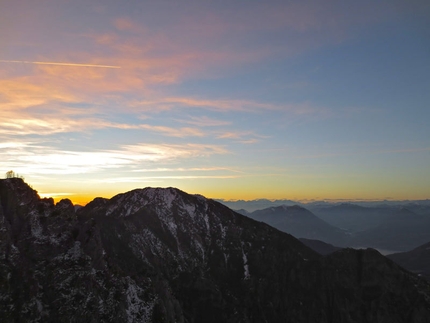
point(301, 223)
point(254, 205)
point(161, 255)
point(319, 246)
point(416, 260)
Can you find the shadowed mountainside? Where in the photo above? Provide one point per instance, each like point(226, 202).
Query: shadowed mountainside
point(319, 246)
point(416, 260)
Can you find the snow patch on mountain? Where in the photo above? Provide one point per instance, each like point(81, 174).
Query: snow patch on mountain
point(75, 252)
point(138, 310)
point(245, 264)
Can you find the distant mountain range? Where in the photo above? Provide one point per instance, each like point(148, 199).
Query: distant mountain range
point(389, 229)
point(417, 206)
point(162, 255)
point(299, 222)
point(352, 217)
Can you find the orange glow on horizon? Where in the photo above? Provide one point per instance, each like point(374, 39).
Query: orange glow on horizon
point(83, 200)
point(76, 199)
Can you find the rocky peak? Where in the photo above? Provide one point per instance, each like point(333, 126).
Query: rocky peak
point(15, 190)
point(126, 204)
point(65, 204)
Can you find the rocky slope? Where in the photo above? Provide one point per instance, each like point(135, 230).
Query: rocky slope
point(161, 255)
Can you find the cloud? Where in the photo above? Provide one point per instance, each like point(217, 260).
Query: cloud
point(125, 24)
point(364, 152)
point(152, 179)
point(151, 58)
point(166, 151)
point(226, 105)
point(204, 121)
point(36, 158)
point(191, 169)
point(175, 132)
point(193, 39)
point(234, 135)
point(249, 141)
point(170, 103)
point(20, 92)
point(243, 137)
point(61, 99)
point(24, 122)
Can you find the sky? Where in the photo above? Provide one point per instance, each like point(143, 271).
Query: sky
point(302, 100)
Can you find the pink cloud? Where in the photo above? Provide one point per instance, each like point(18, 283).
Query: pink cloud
point(175, 132)
point(124, 24)
point(203, 43)
point(205, 121)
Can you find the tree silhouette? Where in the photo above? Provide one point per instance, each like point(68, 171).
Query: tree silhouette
point(12, 174)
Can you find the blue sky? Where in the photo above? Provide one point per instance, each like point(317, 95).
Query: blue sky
point(246, 99)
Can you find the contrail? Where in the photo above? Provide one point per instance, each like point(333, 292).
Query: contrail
point(61, 64)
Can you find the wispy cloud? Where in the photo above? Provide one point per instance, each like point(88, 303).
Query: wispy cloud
point(155, 179)
point(221, 105)
point(24, 123)
point(364, 152)
point(204, 121)
point(174, 132)
point(191, 169)
point(22, 93)
point(244, 137)
point(249, 141)
point(33, 158)
point(227, 105)
point(167, 151)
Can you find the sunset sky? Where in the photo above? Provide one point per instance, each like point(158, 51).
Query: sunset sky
point(230, 99)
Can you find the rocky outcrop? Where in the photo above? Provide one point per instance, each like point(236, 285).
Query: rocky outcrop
point(161, 255)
